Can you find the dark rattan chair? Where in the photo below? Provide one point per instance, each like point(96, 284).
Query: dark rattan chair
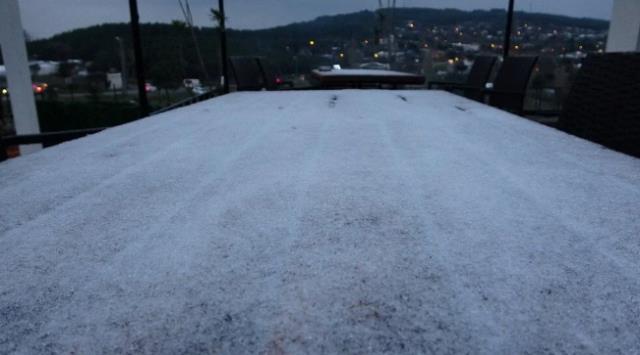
point(255, 74)
point(247, 73)
point(604, 102)
point(47, 139)
point(273, 82)
point(510, 85)
point(476, 80)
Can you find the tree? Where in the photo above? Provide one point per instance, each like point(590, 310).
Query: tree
point(65, 69)
point(165, 76)
point(216, 17)
point(35, 69)
point(179, 25)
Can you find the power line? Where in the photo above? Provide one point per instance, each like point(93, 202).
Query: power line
point(188, 18)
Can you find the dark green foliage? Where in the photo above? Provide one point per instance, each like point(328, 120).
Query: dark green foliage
point(65, 69)
point(496, 17)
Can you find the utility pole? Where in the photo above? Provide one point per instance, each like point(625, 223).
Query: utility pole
point(223, 48)
point(137, 52)
point(507, 32)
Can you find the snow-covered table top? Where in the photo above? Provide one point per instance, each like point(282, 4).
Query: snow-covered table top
point(365, 76)
point(361, 72)
point(322, 221)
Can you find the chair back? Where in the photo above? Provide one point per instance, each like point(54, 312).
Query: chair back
point(604, 102)
point(247, 73)
point(47, 139)
point(268, 74)
point(3, 150)
point(480, 71)
point(511, 83)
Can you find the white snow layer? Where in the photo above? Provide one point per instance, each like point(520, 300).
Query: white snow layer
point(362, 72)
point(322, 222)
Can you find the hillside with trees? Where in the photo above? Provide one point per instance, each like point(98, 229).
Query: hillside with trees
point(171, 55)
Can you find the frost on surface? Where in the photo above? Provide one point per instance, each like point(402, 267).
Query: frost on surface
point(342, 221)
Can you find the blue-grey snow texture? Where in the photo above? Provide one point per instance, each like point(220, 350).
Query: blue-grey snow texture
point(356, 222)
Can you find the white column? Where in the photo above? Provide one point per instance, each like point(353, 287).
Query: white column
point(14, 54)
point(624, 31)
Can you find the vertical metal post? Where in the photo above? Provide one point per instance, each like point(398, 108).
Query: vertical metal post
point(507, 32)
point(137, 52)
point(223, 47)
point(14, 53)
point(624, 30)
point(1, 111)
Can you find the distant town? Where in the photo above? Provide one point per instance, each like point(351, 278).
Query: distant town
point(96, 63)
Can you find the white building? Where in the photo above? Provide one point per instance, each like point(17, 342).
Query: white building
point(115, 81)
point(46, 67)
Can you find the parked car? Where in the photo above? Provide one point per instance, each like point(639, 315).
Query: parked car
point(191, 83)
point(199, 90)
point(148, 87)
point(38, 88)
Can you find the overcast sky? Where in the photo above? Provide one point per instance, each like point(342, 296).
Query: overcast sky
point(43, 18)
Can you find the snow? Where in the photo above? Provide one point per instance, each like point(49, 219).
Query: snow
point(362, 72)
point(322, 222)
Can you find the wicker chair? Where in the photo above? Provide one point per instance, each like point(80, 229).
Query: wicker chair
point(247, 73)
point(254, 74)
point(604, 102)
point(273, 82)
point(476, 80)
point(3, 150)
point(47, 139)
point(510, 85)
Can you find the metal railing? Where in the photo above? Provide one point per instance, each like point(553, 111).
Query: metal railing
point(46, 139)
point(189, 101)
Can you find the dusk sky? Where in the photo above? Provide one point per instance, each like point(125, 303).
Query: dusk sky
point(43, 18)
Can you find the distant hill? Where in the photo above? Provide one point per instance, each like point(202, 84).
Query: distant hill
point(496, 17)
point(170, 46)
